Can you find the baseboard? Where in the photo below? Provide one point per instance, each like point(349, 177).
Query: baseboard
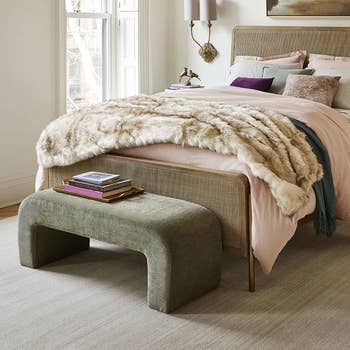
point(15, 190)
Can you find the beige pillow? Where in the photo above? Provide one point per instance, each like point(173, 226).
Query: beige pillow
point(334, 66)
point(292, 57)
point(314, 56)
point(321, 89)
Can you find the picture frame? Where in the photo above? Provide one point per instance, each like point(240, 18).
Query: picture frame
point(308, 8)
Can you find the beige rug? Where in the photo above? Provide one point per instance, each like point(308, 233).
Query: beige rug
point(96, 300)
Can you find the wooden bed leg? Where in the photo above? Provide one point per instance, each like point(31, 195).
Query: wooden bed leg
point(251, 270)
point(251, 261)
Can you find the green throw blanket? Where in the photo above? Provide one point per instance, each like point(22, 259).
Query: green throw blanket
point(325, 215)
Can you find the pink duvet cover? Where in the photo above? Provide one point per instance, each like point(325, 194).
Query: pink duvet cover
point(271, 230)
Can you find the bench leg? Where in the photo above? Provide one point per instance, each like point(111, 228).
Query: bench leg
point(39, 245)
point(174, 280)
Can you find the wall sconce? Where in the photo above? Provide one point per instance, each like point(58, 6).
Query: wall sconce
point(202, 10)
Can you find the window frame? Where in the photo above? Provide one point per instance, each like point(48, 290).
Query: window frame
point(112, 17)
point(107, 47)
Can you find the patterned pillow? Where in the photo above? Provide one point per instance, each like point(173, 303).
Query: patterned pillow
point(321, 89)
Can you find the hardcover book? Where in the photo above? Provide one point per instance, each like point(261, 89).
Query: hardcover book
point(104, 188)
point(96, 194)
point(121, 196)
point(97, 178)
point(183, 86)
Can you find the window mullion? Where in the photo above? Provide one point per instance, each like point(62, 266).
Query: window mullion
point(113, 49)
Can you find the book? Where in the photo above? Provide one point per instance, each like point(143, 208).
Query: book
point(96, 194)
point(183, 86)
point(97, 178)
point(104, 188)
point(134, 191)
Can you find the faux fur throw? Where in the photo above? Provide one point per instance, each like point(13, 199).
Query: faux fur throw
point(266, 141)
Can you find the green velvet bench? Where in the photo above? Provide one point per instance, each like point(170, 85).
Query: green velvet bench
point(181, 240)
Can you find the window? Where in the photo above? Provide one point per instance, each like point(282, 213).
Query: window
point(128, 47)
point(102, 50)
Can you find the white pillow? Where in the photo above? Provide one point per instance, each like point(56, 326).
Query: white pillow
point(255, 69)
point(314, 56)
point(334, 66)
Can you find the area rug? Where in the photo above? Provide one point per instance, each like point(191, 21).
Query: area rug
point(97, 300)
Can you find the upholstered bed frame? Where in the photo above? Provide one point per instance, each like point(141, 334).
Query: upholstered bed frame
point(227, 194)
point(269, 41)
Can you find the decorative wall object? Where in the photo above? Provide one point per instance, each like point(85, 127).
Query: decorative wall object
point(308, 7)
point(202, 10)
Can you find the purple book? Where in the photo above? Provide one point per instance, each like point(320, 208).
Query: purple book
point(96, 194)
point(83, 191)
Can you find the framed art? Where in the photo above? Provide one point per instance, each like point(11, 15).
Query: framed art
point(308, 7)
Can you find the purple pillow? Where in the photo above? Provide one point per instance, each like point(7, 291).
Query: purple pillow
point(261, 84)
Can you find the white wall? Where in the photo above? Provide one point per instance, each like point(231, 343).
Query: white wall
point(27, 61)
point(230, 14)
point(28, 94)
point(162, 48)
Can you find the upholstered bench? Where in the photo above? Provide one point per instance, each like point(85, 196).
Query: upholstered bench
point(181, 240)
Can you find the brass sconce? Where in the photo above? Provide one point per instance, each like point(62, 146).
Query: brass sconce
point(202, 10)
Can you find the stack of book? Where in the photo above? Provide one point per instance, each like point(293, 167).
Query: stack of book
point(99, 186)
point(183, 86)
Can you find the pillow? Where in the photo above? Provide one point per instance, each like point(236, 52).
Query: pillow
point(261, 84)
point(334, 66)
point(254, 69)
point(292, 57)
point(281, 76)
point(314, 56)
point(321, 89)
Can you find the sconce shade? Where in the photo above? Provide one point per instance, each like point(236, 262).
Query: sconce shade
point(191, 8)
point(208, 10)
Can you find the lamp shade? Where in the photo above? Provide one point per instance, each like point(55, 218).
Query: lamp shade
point(191, 8)
point(208, 10)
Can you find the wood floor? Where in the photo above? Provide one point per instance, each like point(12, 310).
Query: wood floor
point(9, 211)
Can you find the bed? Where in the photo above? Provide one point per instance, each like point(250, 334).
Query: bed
point(186, 176)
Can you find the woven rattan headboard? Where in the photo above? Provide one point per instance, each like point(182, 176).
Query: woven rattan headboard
point(267, 41)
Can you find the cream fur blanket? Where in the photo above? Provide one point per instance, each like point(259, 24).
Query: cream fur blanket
point(266, 141)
